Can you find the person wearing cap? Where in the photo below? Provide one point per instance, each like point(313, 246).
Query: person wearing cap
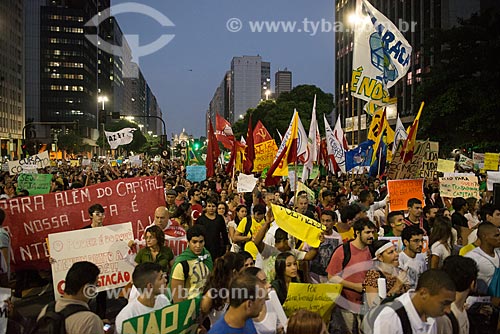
point(170, 196)
point(386, 262)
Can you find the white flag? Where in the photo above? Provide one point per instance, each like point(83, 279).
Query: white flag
point(313, 143)
point(334, 144)
point(399, 134)
point(302, 140)
point(121, 137)
point(381, 55)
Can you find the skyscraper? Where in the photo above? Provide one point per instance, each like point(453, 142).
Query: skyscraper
point(282, 82)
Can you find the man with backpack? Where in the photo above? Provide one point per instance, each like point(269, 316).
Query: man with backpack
point(415, 310)
point(72, 310)
point(348, 266)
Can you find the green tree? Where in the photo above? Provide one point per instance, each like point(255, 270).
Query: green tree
point(276, 114)
point(461, 91)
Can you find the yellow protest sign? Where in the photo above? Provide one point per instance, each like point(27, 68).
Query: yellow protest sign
point(446, 166)
point(299, 226)
point(74, 163)
point(319, 298)
point(265, 153)
point(491, 161)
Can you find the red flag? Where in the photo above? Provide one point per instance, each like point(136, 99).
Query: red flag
point(224, 132)
point(260, 133)
point(250, 149)
point(237, 158)
point(213, 151)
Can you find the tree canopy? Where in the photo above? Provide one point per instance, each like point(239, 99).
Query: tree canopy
point(276, 114)
point(461, 90)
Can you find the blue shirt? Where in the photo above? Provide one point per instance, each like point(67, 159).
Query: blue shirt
point(221, 327)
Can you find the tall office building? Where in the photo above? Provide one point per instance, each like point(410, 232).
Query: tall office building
point(282, 82)
point(11, 77)
point(423, 16)
point(249, 76)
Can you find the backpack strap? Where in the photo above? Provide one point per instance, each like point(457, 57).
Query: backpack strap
point(185, 270)
point(454, 322)
point(398, 307)
point(72, 309)
point(248, 225)
point(347, 254)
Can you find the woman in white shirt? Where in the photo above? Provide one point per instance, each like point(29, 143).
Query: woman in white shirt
point(440, 241)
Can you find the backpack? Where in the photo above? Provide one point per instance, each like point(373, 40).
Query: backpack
point(483, 318)
point(454, 322)
point(54, 322)
point(397, 306)
point(347, 253)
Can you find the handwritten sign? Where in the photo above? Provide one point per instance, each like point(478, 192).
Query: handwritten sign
point(29, 220)
point(398, 242)
point(297, 225)
point(36, 184)
point(491, 161)
point(459, 185)
point(196, 173)
point(106, 247)
point(246, 183)
point(265, 153)
point(400, 191)
point(398, 169)
point(318, 298)
point(430, 160)
point(41, 160)
point(173, 319)
point(446, 166)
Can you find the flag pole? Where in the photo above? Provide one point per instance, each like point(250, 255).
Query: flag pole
point(296, 185)
point(379, 159)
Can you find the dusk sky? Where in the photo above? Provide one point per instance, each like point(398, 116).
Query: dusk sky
point(185, 73)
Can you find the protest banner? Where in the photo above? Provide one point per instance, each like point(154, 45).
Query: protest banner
point(29, 220)
point(298, 225)
point(446, 166)
point(41, 160)
point(318, 298)
point(5, 294)
point(35, 184)
point(264, 155)
point(173, 319)
point(491, 161)
point(430, 161)
point(95, 166)
point(196, 173)
point(400, 191)
point(398, 169)
point(310, 194)
point(493, 177)
point(86, 162)
point(135, 161)
point(74, 163)
point(246, 183)
point(459, 185)
point(400, 246)
point(106, 247)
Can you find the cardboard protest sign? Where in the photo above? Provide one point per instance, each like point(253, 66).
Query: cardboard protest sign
point(491, 161)
point(318, 298)
point(196, 173)
point(400, 246)
point(41, 160)
point(5, 294)
point(35, 184)
point(459, 185)
point(446, 166)
point(173, 319)
point(429, 167)
point(246, 183)
point(400, 191)
point(265, 153)
point(30, 219)
point(106, 247)
point(493, 177)
point(398, 169)
point(299, 226)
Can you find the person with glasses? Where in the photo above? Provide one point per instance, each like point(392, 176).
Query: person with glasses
point(411, 258)
point(396, 220)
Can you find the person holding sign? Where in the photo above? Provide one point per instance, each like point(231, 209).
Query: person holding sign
point(286, 272)
point(150, 281)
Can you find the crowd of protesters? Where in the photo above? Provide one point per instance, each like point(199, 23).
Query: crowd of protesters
point(231, 240)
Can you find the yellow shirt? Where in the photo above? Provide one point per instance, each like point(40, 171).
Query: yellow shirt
point(198, 273)
point(249, 245)
point(465, 249)
point(348, 235)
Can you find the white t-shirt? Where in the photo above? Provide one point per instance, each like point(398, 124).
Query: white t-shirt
point(486, 265)
point(270, 322)
point(444, 325)
point(413, 267)
point(441, 251)
point(135, 308)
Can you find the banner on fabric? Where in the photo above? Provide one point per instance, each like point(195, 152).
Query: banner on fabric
point(318, 298)
point(298, 225)
point(400, 191)
point(35, 184)
point(459, 185)
point(264, 155)
point(106, 247)
point(120, 137)
point(29, 220)
point(40, 160)
point(173, 319)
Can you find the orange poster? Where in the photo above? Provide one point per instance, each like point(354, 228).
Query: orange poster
point(400, 191)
